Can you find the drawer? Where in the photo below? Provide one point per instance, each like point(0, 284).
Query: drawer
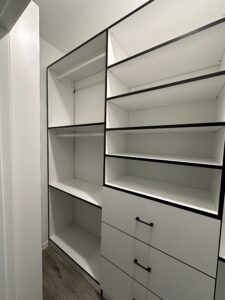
point(168, 277)
point(189, 237)
point(117, 285)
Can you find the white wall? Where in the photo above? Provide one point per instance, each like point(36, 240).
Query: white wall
point(88, 18)
point(74, 21)
point(48, 55)
point(20, 158)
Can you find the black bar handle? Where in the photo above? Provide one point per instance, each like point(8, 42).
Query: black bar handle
point(148, 269)
point(149, 224)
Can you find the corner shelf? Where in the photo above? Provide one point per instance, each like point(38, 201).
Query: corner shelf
point(82, 247)
point(202, 51)
point(89, 192)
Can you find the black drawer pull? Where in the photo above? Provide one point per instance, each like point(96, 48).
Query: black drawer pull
point(149, 224)
point(148, 269)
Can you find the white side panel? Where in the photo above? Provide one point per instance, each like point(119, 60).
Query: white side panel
point(61, 212)
point(25, 93)
point(116, 116)
point(115, 52)
point(61, 101)
point(60, 157)
point(8, 285)
point(115, 86)
point(220, 286)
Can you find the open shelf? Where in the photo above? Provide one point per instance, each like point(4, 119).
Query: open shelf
point(199, 100)
point(81, 246)
point(197, 54)
point(200, 146)
point(75, 228)
point(149, 30)
point(76, 161)
point(187, 186)
point(88, 126)
point(76, 86)
point(81, 189)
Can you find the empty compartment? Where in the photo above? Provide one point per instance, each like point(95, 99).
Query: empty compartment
point(75, 227)
point(193, 187)
point(153, 25)
point(76, 86)
point(194, 55)
point(198, 101)
point(76, 161)
point(197, 145)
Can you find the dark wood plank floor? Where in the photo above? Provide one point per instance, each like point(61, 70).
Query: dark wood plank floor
point(62, 282)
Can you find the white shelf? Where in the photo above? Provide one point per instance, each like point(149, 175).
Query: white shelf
point(185, 159)
point(83, 61)
point(202, 52)
point(86, 68)
point(82, 246)
point(87, 191)
point(153, 25)
point(194, 91)
point(190, 197)
point(168, 129)
point(222, 245)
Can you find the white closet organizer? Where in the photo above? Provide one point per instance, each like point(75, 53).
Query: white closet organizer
point(76, 120)
point(198, 53)
point(157, 23)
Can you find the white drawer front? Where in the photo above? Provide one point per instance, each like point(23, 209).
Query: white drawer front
point(117, 285)
point(187, 236)
point(168, 278)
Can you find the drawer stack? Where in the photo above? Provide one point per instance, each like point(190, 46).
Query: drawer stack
point(164, 249)
point(164, 152)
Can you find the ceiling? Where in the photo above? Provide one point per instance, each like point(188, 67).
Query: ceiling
point(67, 23)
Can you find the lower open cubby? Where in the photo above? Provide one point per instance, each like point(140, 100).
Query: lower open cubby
point(75, 227)
point(193, 187)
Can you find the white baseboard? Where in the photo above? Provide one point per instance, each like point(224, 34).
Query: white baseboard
point(45, 245)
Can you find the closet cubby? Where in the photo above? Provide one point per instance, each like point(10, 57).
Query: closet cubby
point(76, 86)
point(75, 227)
point(155, 26)
point(198, 53)
point(193, 187)
point(198, 101)
point(76, 161)
point(203, 146)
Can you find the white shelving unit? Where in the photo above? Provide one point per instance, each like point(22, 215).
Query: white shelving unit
point(165, 111)
point(75, 227)
point(76, 114)
point(203, 53)
point(154, 25)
